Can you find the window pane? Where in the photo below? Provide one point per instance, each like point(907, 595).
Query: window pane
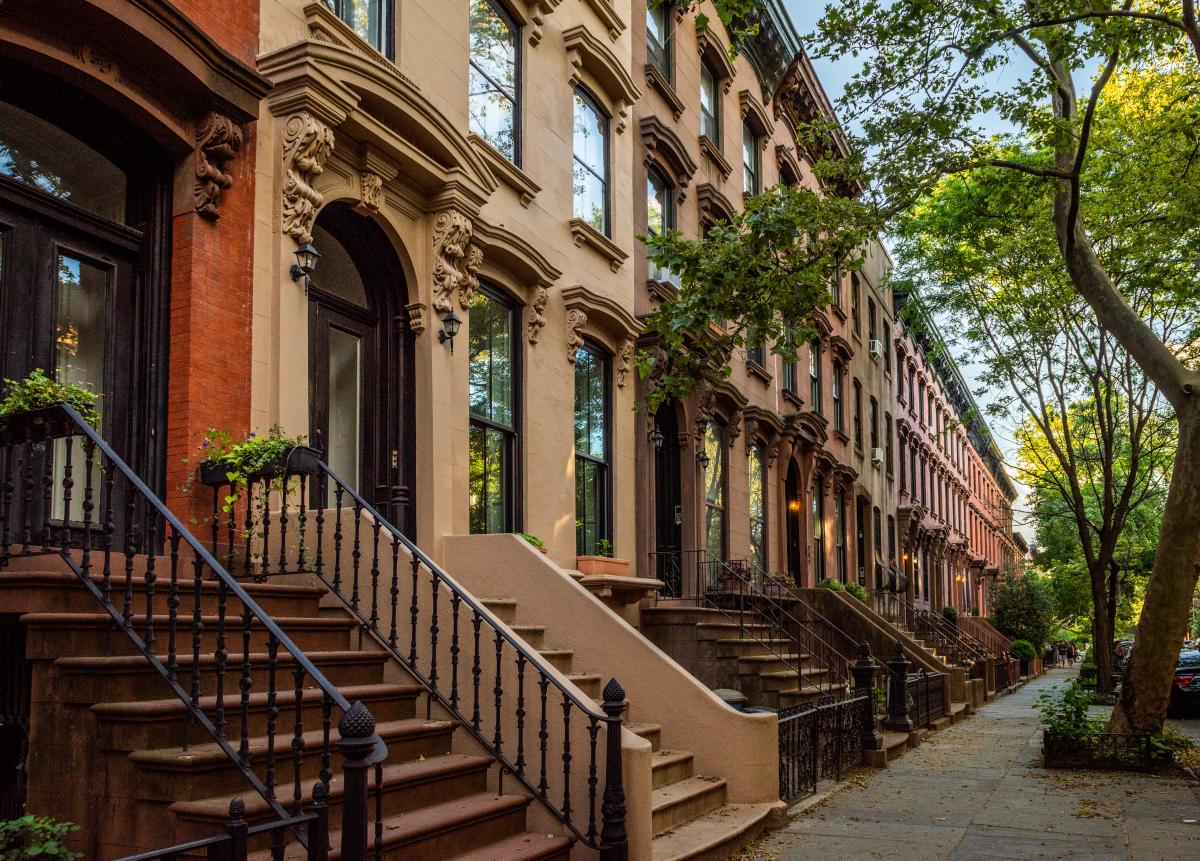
point(337, 273)
point(590, 167)
point(590, 405)
point(758, 510)
point(657, 34)
point(656, 205)
point(345, 389)
point(749, 161)
point(714, 448)
point(489, 480)
point(493, 84)
point(42, 155)
point(490, 362)
point(709, 123)
point(365, 17)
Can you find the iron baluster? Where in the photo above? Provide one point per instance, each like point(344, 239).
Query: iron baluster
point(298, 742)
point(88, 506)
point(245, 684)
point(337, 539)
point(412, 612)
point(356, 553)
point(68, 484)
point(566, 758)
point(326, 724)
point(394, 593)
point(593, 780)
point(264, 571)
point(521, 661)
point(220, 656)
point(302, 524)
point(150, 579)
point(173, 605)
point(283, 527)
point(215, 526)
point(272, 711)
point(374, 618)
point(47, 494)
point(247, 495)
point(543, 786)
point(433, 630)
point(27, 500)
point(197, 633)
point(321, 501)
point(476, 672)
point(130, 550)
point(498, 691)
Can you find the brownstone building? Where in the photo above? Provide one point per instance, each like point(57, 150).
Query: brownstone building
point(406, 230)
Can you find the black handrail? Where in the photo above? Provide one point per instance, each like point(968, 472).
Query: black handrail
point(30, 440)
point(373, 597)
point(964, 649)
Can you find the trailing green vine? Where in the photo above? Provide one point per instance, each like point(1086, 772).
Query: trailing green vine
point(38, 391)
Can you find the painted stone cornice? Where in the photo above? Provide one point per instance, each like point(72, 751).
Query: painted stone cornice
point(664, 148)
point(604, 318)
point(714, 206)
point(586, 53)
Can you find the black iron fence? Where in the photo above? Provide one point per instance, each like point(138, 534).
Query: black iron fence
point(925, 697)
point(64, 492)
point(821, 743)
point(563, 747)
point(1107, 751)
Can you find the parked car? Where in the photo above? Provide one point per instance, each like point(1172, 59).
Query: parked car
point(1185, 692)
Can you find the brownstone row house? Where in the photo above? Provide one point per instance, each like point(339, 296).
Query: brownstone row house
point(470, 178)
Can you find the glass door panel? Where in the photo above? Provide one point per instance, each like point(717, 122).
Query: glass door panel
point(344, 441)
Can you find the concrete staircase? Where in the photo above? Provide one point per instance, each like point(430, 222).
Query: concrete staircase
point(109, 749)
point(691, 818)
point(743, 653)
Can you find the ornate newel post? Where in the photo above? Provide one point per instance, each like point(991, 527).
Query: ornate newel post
point(358, 738)
point(237, 829)
point(897, 718)
point(864, 671)
point(614, 843)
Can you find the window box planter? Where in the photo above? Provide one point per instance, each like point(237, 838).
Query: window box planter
point(37, 425)
point(297, 460)
point(602, 566)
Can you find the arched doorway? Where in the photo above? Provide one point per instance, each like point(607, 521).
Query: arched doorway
point(360, 362)
point(794, 513)
point(84, 288)
point(668, 500)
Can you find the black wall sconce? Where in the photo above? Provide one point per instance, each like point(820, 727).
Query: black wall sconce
point(656, 438)
point(450, 326)
point(306, 263)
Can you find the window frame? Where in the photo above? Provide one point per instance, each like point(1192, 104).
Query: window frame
point(582, 92)
point(668, 54)
point(835, 395)
point(605, 508)
point(839, 534)
point(387, 18)
point(814, 376)
point(515, 28)
point(817, 527)
point(514, 514)
point(760, 517)
point(706, 71)
point(718, 431)
point(752, 172)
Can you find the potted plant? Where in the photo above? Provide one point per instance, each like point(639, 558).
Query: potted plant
point(270, 457)
point(602, 564)
point(32, 408)
point(858, 591)
point(36, 837)
point(950, 614)
point(1025, 652)
point(536, 542)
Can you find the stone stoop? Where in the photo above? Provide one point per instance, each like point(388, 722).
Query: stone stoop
point(745, 656)
point(895, 745)
point(100, 711)
point(690, 815)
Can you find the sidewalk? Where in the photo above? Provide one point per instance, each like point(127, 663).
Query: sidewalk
point(974, 791)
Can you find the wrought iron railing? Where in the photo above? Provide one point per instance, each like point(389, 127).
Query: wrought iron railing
point(235, 844)
point(979, 630)
point(65, 492)
point(926, 696)
point(754, 600)
point(945, 637)
point(563, 747)
point(821, 742)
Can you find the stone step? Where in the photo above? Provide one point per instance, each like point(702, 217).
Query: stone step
point(560, 659)
point(714, 836)
point(732, 631)
point(137, 724)
point(60, 590)
point(203, 770)
point(473, 822)
point(130, 677)
point(651, 732)
point(504, 609)
point(759, 664)
point(670, 766)
point(534, 635)
point(743, 647)
point(53, 635)
point(679, 802)
point(589, 683)
point(527, 846)
point(407, 787)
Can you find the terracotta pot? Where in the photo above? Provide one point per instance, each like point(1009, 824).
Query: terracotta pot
point(602, 566)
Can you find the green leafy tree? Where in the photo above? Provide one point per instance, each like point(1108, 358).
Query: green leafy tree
point(1023, 606)
point(934, 78)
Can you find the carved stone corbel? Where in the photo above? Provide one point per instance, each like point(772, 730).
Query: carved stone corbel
point(539, 9)
point(734, 430)
point(218, 140)
point(371, 190)
point(416, 317)
point(468, 281)
point(307, 145)
point(451, 241)
point(624, 362)
point(576, 320)
point(537, 315)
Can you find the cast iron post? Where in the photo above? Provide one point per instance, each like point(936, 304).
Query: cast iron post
point(357, 731)
point(898, 719)
point(614, 842)
point(864, 686)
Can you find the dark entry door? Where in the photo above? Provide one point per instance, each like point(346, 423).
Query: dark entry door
point(795, 511)
point(668, 501)
point(360, 392)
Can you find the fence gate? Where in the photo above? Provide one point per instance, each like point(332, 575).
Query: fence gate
point(15, 681)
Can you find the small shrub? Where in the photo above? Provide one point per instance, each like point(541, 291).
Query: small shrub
point(251, 456)
point(950, 613)
point(859, 592)
point(534, 540)
point(1065, 715)
point(38, 391)
point(1023, 649)
point(604, 548)
point(36, 837)
point(835, 585)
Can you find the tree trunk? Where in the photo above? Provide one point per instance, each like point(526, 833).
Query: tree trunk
point(1163, 625)
point(1102, 630)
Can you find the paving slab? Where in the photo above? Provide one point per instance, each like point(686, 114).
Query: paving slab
point(976, 792)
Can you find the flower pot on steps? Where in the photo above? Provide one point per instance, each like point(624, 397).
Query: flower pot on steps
point(40, 425)
point(297, 460)
point(602, 566)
